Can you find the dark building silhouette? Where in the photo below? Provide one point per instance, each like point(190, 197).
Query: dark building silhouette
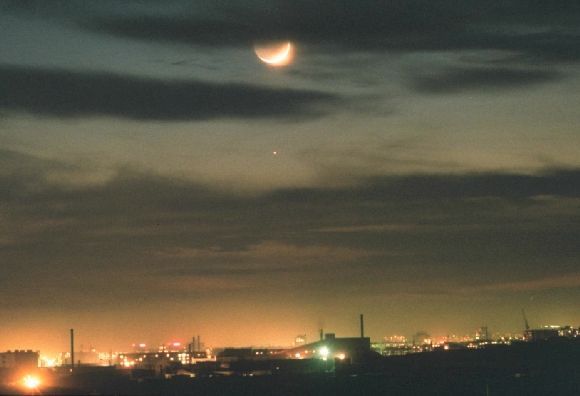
point(19, 359)
point(353, 349)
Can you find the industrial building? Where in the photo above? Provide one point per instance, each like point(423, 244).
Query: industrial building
point(160, 362)
point(349, 349)
point(19, 359)
point(237, 354)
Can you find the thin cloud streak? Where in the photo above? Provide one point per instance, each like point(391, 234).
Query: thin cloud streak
point(567, 281)
point(461, 79)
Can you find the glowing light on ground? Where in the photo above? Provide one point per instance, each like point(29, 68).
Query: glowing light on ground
point(31, 382)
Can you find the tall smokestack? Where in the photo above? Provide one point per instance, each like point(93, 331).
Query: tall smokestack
point(362, 326)
point(72, 348)
point(321, 335)
point(198, 343)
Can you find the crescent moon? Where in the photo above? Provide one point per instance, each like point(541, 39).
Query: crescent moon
point(275, 55)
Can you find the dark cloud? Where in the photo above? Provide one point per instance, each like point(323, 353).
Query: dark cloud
point(180, 30)
point(445, 224)
point(538, 30)
point(442, 187)
point(459, 79)
point(62, 93)
point(307, 22)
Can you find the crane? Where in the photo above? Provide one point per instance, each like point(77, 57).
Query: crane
point(525, 320)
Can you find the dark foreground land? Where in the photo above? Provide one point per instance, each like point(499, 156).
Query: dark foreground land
point(548, 368)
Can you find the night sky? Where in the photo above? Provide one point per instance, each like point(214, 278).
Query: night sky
point(427, 169)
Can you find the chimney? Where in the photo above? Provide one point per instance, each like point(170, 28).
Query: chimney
point(72, 348)
point(362, 326)
point(321, 335)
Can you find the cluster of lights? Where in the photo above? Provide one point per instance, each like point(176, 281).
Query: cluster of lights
point(325, 353)
point(263, 352)
point(396, 339)
point(130, 361)
point(174, 346)
point(303, 354)
point(47, 362)
point(126, 362)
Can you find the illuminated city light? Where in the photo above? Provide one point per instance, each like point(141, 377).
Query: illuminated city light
point(341, 356)
point(323, 351)
point(48, 362)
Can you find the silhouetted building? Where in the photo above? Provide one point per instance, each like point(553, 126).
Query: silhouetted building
point(393, 347)
point(161, 362)
point(353, 349)
point(482, 334)
point(541, 334)
point(19, 359)
point(236, 354)
point(569, 331)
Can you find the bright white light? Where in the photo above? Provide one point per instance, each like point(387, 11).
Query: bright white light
point(341, 356)
point(48, 362)
point(31, 382)
point(324, 351)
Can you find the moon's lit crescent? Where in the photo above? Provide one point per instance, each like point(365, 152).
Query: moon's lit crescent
point(275, 54)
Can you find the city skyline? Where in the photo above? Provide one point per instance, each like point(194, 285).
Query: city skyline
point(415, 162)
